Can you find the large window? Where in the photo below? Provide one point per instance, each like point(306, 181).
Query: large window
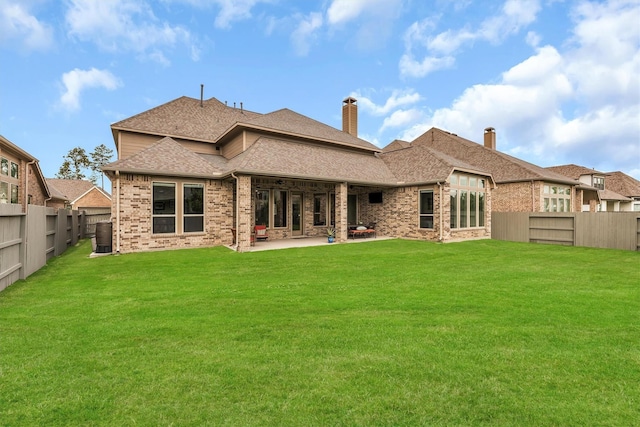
point(426, 208)
point(598, 182)
point(280, 208)
point(9, 181)
point(467, 201)
point(164, 207)
point(262, 207)
point(319, 209)
point(193, 196)
point(556, 198)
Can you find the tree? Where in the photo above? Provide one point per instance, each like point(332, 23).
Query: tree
point(100, 156)
point(74, 162)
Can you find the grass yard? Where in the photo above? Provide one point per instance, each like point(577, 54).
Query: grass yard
point(380, 333)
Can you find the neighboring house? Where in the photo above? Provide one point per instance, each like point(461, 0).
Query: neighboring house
point(595, 192)
point(520, 186)
point(198, 172)
point(629, 187)
point(21, 180)
point(77, 194)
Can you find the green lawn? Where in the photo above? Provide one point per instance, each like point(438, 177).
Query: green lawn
point(379, 333)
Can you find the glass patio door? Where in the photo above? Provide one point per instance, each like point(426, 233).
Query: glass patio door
point(296, 214)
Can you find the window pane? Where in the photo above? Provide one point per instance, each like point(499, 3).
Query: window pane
point(164, 199)
point(453, 209)
point(4, 192)
point(14, 193)
point(546, 204)
point(546, 189)
point(320, 209)
point(14, 170)
point(463, 181)
point(463, 209)
point(4, 166)
point(560, 205)
point(164, 224)
point(193, 224)
point(280, 208)
point(480, 209)
point(472, 209)
point(554, 205)
point(426, 221)
point(473, 182)
point(426, 202)
point(454, 179)
point(262, 207)
point(481, 183)
point(193, 197)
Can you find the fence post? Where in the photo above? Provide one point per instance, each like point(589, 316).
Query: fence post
point(61, 232)
point(83, 224)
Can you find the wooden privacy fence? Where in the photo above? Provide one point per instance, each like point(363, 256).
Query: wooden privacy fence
point(612, 230)
point(28, 240)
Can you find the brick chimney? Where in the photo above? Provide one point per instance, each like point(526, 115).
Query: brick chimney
point(350, 116)
point(490, 138)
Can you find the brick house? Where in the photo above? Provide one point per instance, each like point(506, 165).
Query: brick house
point(196, 173)
point(520, 186)
point(21, 180)
point(78, 194)
point(627, 186)
point(595, 192)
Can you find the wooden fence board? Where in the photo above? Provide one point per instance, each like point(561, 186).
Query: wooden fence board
point(611, 230)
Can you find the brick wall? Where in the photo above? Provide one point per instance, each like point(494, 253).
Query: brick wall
point(136, 221)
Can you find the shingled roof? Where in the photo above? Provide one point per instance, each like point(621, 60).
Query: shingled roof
point(503, 167)
point(308, 161)
point(421, 164)
point(574, 171)
point(70, 189)
point(168, 157)
point(186, 118)
point(623, 184)
point(292, 123)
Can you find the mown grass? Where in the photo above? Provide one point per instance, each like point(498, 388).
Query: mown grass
point(381, 333)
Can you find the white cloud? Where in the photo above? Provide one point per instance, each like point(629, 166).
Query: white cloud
point(580, 105)
point(398, 98)
point(76, 81)
point(124, 25)
point(375, 19)
point(304, 34)
point(441, 48)
point(17, 23)
point(230, 10)
point(400, 118)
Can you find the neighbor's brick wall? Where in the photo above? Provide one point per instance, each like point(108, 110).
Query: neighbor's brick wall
point(93, 199)
point(135, 215)
point(35, 189)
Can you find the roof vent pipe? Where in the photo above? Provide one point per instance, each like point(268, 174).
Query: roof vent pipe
point(241, 107)
point(490, 138)
point(234, 104)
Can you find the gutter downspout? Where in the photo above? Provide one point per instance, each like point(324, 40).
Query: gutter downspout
point(117, 212)
point(26, 184)
point(233, 175)
point(441, 213)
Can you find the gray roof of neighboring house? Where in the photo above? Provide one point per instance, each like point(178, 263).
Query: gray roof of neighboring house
point(503, 167)
point(71, 189)
point(623, 184)
point(396, 144)
point(612, 195)
point(574, 171)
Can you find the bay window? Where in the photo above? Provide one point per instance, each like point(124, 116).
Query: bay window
point(467, 201)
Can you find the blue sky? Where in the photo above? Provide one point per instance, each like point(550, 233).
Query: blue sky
point(558, 80)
